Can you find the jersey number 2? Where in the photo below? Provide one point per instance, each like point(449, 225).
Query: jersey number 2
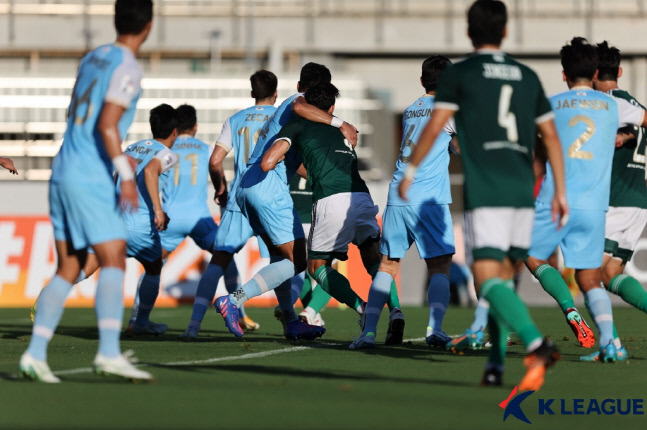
point(574, 150)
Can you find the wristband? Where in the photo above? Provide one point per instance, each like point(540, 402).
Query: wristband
point(336, 122)
point(410, 172)
point(122, 167)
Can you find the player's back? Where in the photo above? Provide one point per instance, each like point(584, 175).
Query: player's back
point(586, 122)
point(109, 73)
point(185, 193)
point(431, 185)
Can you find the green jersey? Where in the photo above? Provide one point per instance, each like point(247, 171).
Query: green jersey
point(330, 161)
point(498, 102)
point(628, 172)
point(301, 194)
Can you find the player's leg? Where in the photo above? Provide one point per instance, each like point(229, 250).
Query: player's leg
point(438, 298)
point(315, 300)
point(599, 305)
point(147, 294)
point(371, 258)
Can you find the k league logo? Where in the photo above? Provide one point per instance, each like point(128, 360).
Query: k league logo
point(512, 405)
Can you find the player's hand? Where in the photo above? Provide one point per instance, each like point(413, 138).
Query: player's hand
point(403, 188)
point(350, 133)
point(221, 199)
point(560, 210)
point(160, 220)
point(7, 163)
point(128, 199)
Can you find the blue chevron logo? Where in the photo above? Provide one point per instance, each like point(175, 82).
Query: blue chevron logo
point(512, 405)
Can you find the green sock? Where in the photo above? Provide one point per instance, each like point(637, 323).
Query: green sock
point(336, 284)
point(554, 284)
point(509, 309)
point(306, 291)
point(499, 339)
point(320, 299)
point(630, 290)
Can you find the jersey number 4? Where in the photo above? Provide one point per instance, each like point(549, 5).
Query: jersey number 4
point(78, 101)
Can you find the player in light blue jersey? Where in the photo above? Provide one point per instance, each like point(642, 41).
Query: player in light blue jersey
point(84, 208)
point(264, 199)
point(239, 133)
point(587, 122)
point(424, 218)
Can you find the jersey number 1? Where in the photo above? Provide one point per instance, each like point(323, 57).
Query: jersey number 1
point(193, 158)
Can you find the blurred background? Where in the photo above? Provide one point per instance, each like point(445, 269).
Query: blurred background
point(203, 52)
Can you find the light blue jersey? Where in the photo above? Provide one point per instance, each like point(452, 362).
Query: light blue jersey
point(587, 122)
point(240, 133)
point(431, 185)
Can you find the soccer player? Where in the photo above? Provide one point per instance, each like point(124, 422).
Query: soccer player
point(264, 199)
point(587, 122)
point(7, 163)
point(424, 218)
point(499, 104)
point(239, 133)
point(84, 208)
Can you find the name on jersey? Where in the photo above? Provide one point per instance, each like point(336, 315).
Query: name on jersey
point(139, 150)
point(504, 72)
point(419, 113)
point(187, 145)
point(99, 63)
point(256, 117)
point(582, 104)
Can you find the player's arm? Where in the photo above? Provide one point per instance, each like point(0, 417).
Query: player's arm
point(275, 154)
point(217, 174)
point(7, 163)
point(539, 160)
point(555, 157)
point(305, 110)
point(301, 171)
point(434, 127)
point(161, 163)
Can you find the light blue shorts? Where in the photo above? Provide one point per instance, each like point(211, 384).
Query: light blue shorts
point(234, 232)
point(265, 200)
point(581, 239)
point(429, 226)
point(144, 245)
point(201, 230)
point(85, 214)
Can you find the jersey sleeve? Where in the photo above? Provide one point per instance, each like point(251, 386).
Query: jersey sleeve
point(224, 140)
point(629, 113)
point(125, 84)
point(450, 127)
point(168, 159)
point(448, 93)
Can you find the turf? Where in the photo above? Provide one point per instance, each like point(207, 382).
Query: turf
point(264, 381)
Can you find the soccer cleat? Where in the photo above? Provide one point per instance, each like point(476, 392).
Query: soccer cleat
point(278, 314)
point(395, 332)
point(584, 334)
point(468, 340)
point(319, 320)
point(492, 377)
point(608, 353)
point(621, 355)
point(248, 324)
point(149, 327)
point(364, 342)
point(297, 329)
point(189, 335)
point(119, 366)
point(36, 370)
point(536, 364)
point(438, 338)
point(488, 343)
point(229, 312)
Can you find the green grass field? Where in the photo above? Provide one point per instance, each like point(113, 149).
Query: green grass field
point(265, 381)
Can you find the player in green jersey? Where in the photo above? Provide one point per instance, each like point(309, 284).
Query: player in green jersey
point(499, 105)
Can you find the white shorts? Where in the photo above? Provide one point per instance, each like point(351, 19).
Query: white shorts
point(338, 220)
point(494, 233)
point(622, 229)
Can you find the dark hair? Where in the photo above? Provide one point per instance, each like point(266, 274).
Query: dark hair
point(163, 120)
point(579, 59)
point(312, 74)
point(322, 95)
point(432, 68)
point(264, 84)
point(187, 118)
point(486, 20)
point(131, 16)
point(608, 62)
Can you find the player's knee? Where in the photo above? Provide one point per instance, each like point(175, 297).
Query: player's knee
point(154, 268)
point(440, 264)
point(370, 243)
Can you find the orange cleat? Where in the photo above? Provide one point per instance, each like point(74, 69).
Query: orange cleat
point(536, 364)
point(580, 328)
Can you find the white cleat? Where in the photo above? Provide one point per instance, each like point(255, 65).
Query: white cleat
point(36, 370)
point(119, 366)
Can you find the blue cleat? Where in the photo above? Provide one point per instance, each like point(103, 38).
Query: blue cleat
point(438, 338)
point(366, 341)
point(608, 354)
point(468, 340)
point(297, 329)
point(229, 312)
point(621, 355)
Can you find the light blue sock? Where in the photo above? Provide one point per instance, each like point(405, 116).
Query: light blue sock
point(148, 291)
point(377, 297)
point(284, 296)
point(232, 284)
point(49, 309)
point(135, 310)
point(600, 307)
point(266, 279)
point(109, 308)
point(480, 315)
point(204, 294)
point(296, 285)
point(438, 299)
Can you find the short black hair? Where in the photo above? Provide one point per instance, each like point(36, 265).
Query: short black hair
point(163, 120)
point(608, 62)
point(322, 95)
point(432, 68)
point(312, 74)
point(187, 118)
point(264, 84)
point(579, 59)
point(486, 21)
point(131, 16)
